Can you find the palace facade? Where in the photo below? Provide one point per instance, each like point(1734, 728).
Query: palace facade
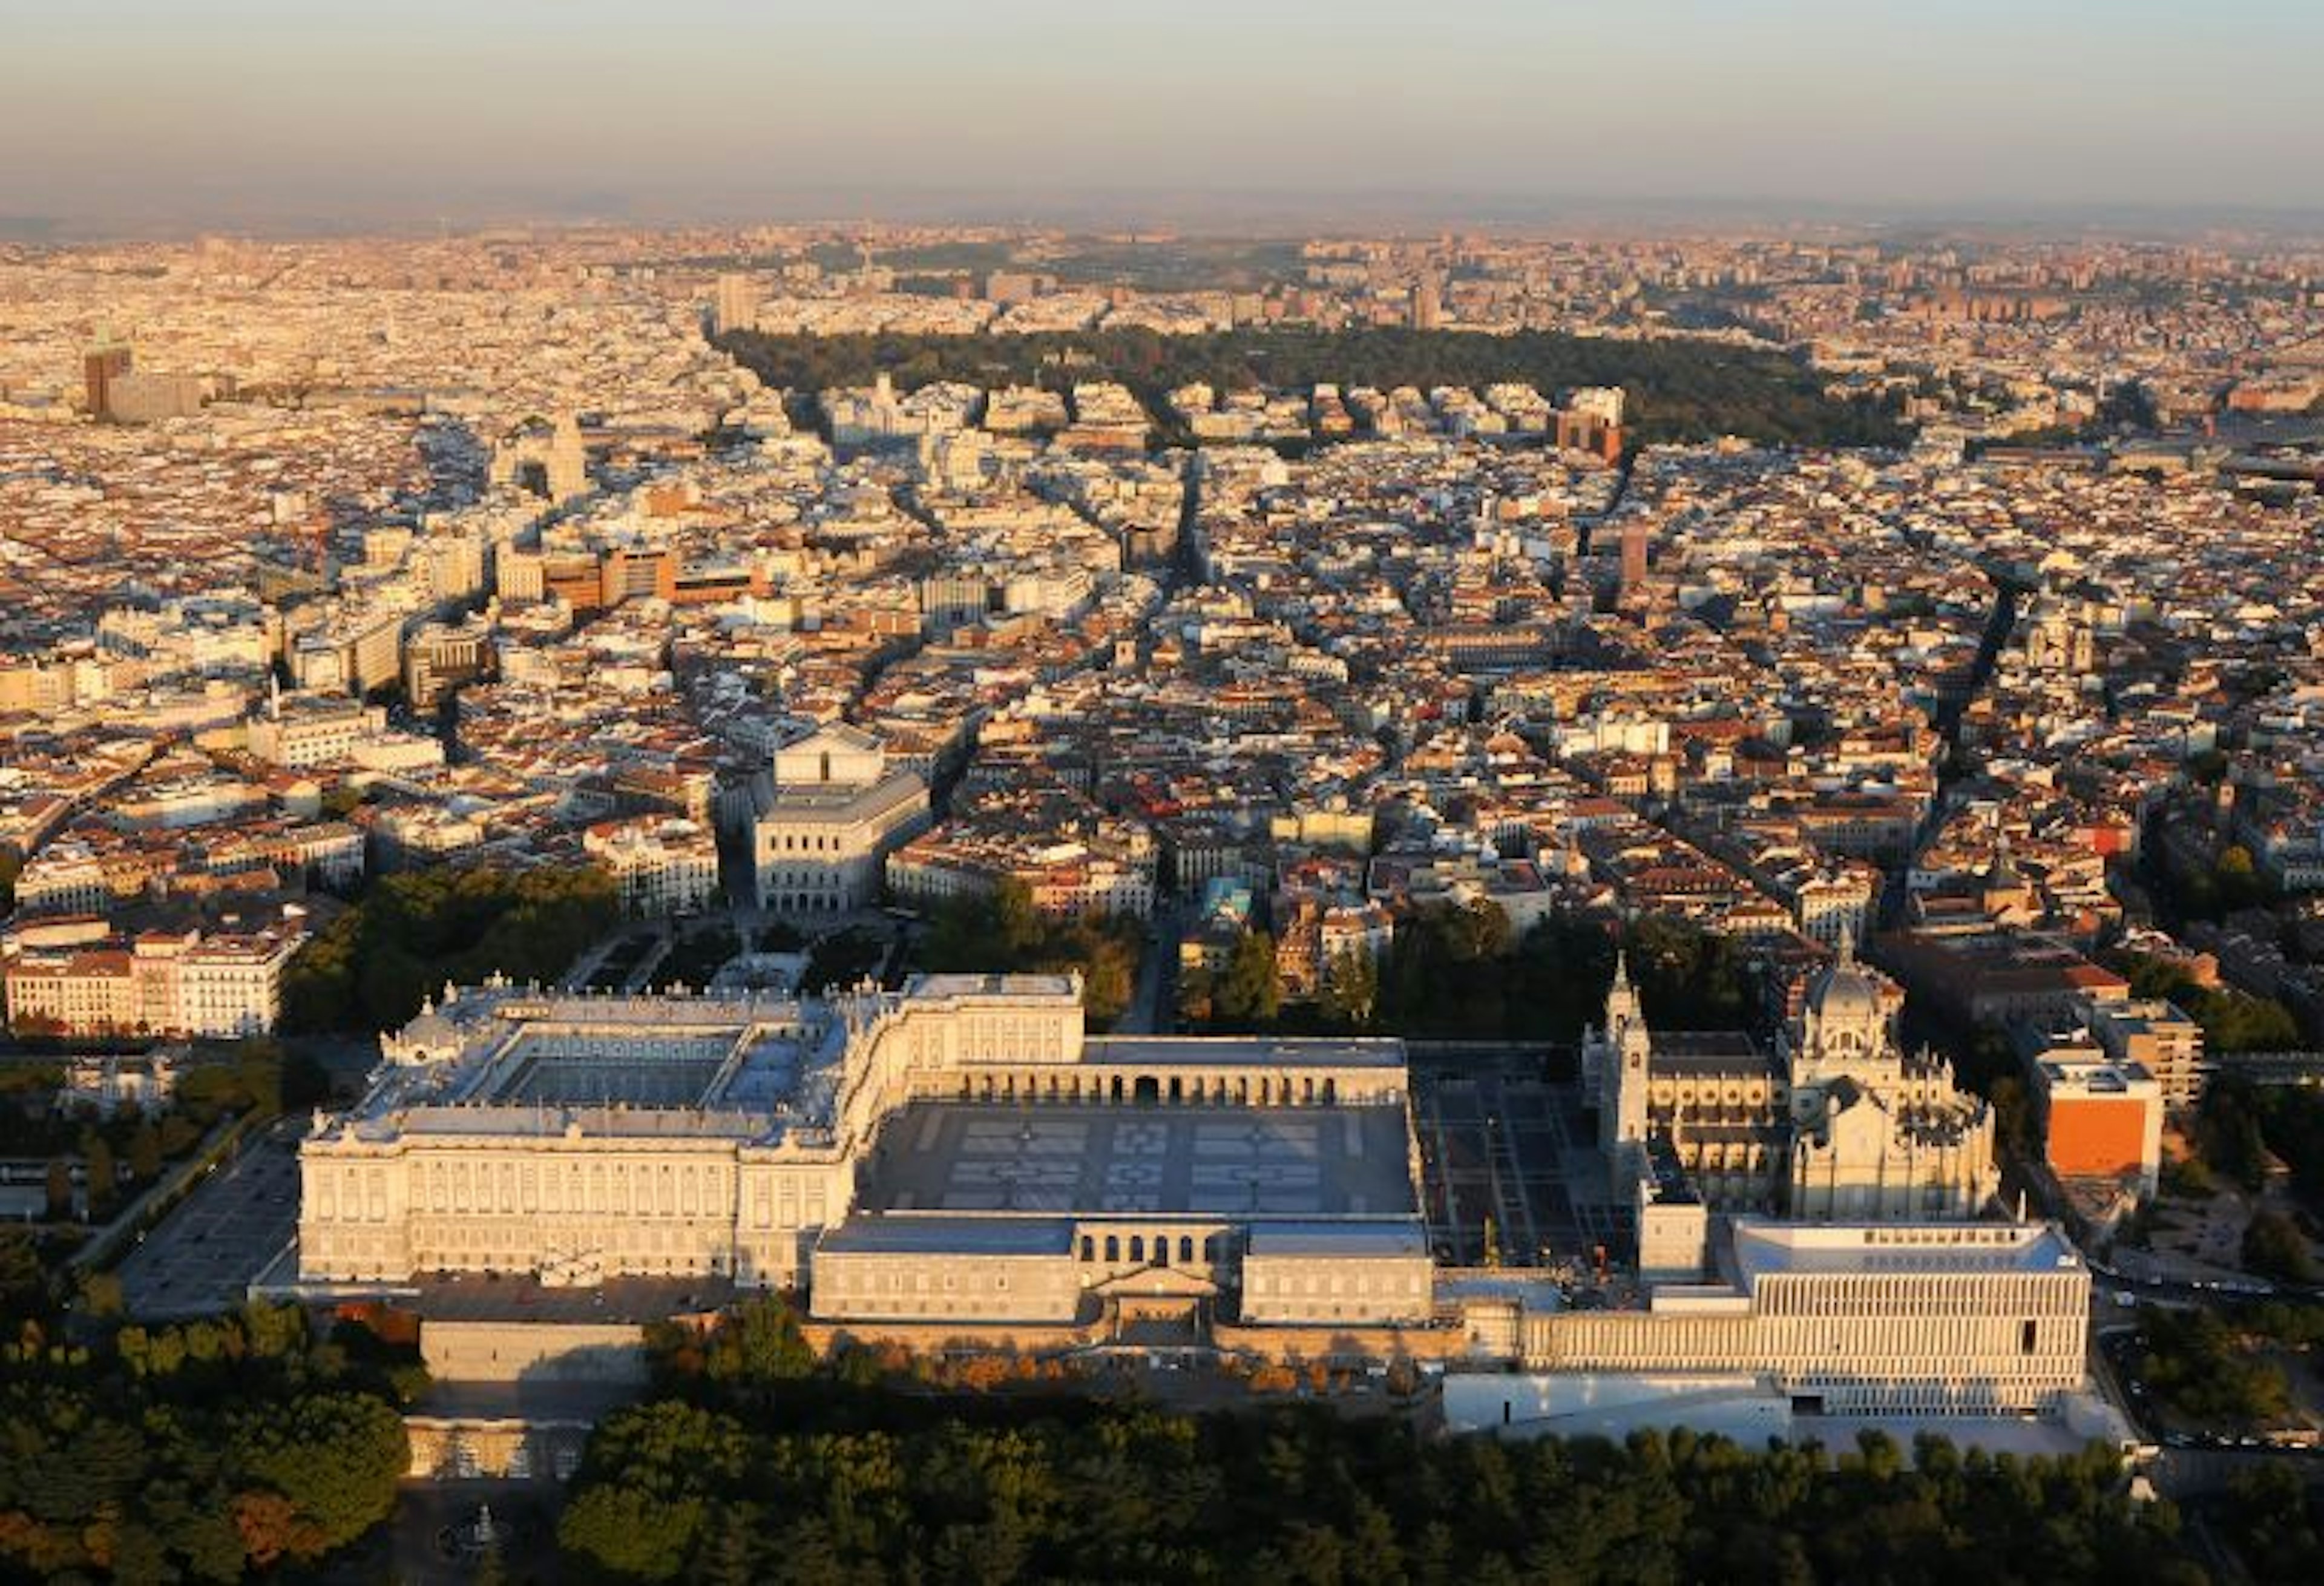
point(956, 1151)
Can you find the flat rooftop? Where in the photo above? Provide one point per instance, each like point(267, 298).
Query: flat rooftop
point(1205, 1051)
point(1763, 1249)
point(904, 1233)
point(990, 985)
point(1282, 1162)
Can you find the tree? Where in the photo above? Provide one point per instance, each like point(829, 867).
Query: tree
point(1016, 922)
point(2278, 1531)
point(2237, 878)
point(100, 1294)
point(59, 1191)
point(2228, 1131)
point(1249, 993)
point(1003, 931)
point(1351, 990)
point(629, 1533)
point(97, 1170)
point(2273, 1245)
point(336, 1458)
point(144, 1154)
point(23, 1281)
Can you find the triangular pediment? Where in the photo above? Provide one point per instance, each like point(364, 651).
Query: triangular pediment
point(1158, 1283)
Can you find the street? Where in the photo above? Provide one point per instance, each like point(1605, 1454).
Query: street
point(202, 1256)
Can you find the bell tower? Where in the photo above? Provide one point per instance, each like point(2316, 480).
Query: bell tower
point(1625, 1050)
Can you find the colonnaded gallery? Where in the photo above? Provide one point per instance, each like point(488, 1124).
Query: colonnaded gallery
point(958, 1161)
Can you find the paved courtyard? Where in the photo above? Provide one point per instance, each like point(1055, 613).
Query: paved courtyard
point(1520, 1152)
point(1224, 1161)
point(203, 1255)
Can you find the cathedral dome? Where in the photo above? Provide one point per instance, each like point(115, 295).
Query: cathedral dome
point(1845, 990)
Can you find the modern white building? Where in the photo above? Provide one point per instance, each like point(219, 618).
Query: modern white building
point(1943, 1317)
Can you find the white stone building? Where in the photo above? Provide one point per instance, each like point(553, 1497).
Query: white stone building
point(663, 865)
point(827, 819)
point(954, 1153)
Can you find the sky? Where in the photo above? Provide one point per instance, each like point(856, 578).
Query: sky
point(145, 112)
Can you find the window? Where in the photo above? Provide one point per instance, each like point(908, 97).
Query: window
point(2025, 1337)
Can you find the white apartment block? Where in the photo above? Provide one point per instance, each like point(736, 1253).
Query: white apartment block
point(662, 865)
point(85, 980)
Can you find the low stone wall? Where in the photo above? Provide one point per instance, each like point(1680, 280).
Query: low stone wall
point(931, 1338)
point(526, 1353)
point(1289, 1344)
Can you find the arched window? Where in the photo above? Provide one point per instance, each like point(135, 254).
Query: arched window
point(1138, 1247)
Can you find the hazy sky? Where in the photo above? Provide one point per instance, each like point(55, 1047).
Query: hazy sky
point(357, 109)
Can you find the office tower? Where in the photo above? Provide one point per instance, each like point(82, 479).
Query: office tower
point(1633, 558)
point(1427, 307)
point(101, 365)
point(735, 307)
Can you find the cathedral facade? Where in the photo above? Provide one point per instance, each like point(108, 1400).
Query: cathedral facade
point(1838, 1124)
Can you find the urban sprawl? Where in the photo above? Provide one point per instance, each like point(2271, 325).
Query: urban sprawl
point(1678, 830)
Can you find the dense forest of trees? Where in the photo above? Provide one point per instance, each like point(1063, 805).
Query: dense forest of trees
point(755, 1467)
point(1678, 389)
point(370, 968)
point(2277, 1523)
point(2199, 1364)
point(1002, 931)
point(199, 1452)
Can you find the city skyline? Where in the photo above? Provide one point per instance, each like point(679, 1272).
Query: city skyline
point(797, 795)
point(260, 114)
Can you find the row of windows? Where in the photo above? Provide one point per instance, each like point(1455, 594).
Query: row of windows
point(813, 843)
point(1115, 1248)
point(1358, 1281)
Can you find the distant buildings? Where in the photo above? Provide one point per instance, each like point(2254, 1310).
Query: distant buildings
point(1426, 311)
point(544, 459)
point(736, 306)
point(76, 977)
